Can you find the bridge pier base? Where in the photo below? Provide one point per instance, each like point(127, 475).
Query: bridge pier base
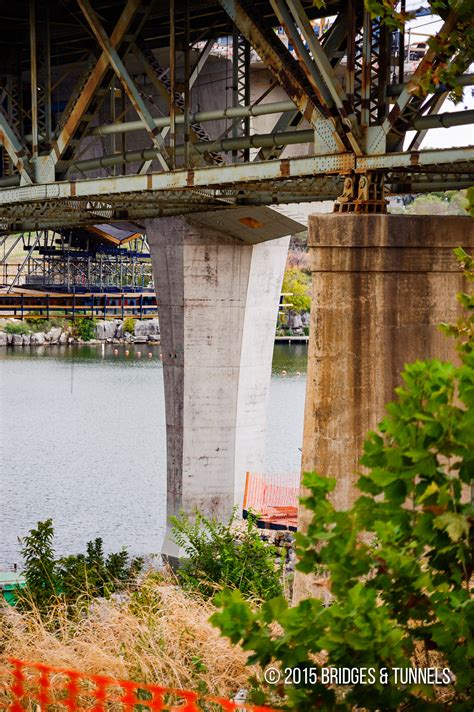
point(218, 301)
point(380, 286)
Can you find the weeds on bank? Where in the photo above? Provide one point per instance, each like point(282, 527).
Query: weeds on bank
point(16, 327)
point(156, 634)
point(85, 329)
point(217, 556)
point(71, 579)
point(129, 325)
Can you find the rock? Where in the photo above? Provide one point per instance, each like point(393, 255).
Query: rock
point(70, 340)
point(151, 327)
point(305, 318)
point(295, 321)
point(105, 329)
point(63, 338)
point(17, 339)
point(26, 339)
point(53, 334)
point(140, 339)
point(9, 338)
point(119, 330)
point(38, 338)
point(3, 338)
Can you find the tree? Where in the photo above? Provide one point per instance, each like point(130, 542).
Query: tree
point(455, 49)
point(398, 564)
point(296, 285)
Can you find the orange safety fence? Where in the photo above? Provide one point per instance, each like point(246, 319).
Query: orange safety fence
point(274, 498)
point(35, 686)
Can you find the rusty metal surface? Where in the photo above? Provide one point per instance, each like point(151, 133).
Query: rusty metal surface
point(353, 120)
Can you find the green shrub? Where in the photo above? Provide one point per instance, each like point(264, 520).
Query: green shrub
point(44, 325)
point(85, 329)
point(39, 569)
point(70, 578)
point(16, 327)
point(129, 325)
point(297, 285)
point(218, 556)
point(398, 564)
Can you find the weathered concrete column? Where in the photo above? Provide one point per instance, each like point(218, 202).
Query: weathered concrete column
point(381, 285)
point(218, 302)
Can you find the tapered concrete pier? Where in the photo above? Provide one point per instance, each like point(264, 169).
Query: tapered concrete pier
point(381, 284)
point(218, 301)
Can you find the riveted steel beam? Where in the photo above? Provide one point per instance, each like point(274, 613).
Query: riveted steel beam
point(74, 125)
point(327, 76)
point(17, 152)
point(126, 81)
point(158, 77)
point(286, 70)
point(287, 171)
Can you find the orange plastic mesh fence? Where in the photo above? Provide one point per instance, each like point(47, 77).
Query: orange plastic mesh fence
point(273, 497)
point(32, 686)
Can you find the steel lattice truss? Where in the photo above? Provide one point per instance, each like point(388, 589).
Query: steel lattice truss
point(136, 109)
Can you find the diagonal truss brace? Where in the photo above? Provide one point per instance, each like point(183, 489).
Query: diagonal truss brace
point(326, 79)
point(402, 112)
point(92, 83)
point(126, 80)
point(283, 66)
point(157, 77)
point(15, 150)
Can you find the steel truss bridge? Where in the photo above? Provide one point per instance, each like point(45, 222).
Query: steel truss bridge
point(120, 110)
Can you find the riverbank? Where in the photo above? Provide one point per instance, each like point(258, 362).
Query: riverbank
point(14, 332)
point(17, 332)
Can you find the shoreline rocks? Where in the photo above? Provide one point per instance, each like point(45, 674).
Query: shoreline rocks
point(110, 332)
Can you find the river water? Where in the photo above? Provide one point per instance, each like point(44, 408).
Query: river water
point(84, 443)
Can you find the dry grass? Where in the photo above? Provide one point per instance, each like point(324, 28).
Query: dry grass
point(161, 635)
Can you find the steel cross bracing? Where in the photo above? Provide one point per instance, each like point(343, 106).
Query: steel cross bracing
point(136, 108)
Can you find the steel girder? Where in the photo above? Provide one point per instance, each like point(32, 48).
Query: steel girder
point(264, 182)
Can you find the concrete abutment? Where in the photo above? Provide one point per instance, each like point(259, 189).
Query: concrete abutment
point(381, 284)
point(218, 302)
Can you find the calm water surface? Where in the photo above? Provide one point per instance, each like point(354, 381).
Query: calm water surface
point(84, 443)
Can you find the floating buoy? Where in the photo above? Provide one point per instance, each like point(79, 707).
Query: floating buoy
point(298, 374)
point(127, 353)
point(115, 352)
point(139, 354)
point(150, 355)
point(283, 373)
point(161, 357)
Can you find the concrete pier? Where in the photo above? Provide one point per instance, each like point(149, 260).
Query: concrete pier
point(218, 301)
point(380, 286)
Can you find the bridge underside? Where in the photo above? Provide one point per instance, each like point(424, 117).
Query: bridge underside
point(138, 109)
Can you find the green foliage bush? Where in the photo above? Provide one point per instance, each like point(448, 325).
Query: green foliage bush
point(85, 329)
point(44, 325)
point(297, 283)
point(218, 557)
point(74, 577)
point(398, 564)
point(129, 325)
point(16, 327)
